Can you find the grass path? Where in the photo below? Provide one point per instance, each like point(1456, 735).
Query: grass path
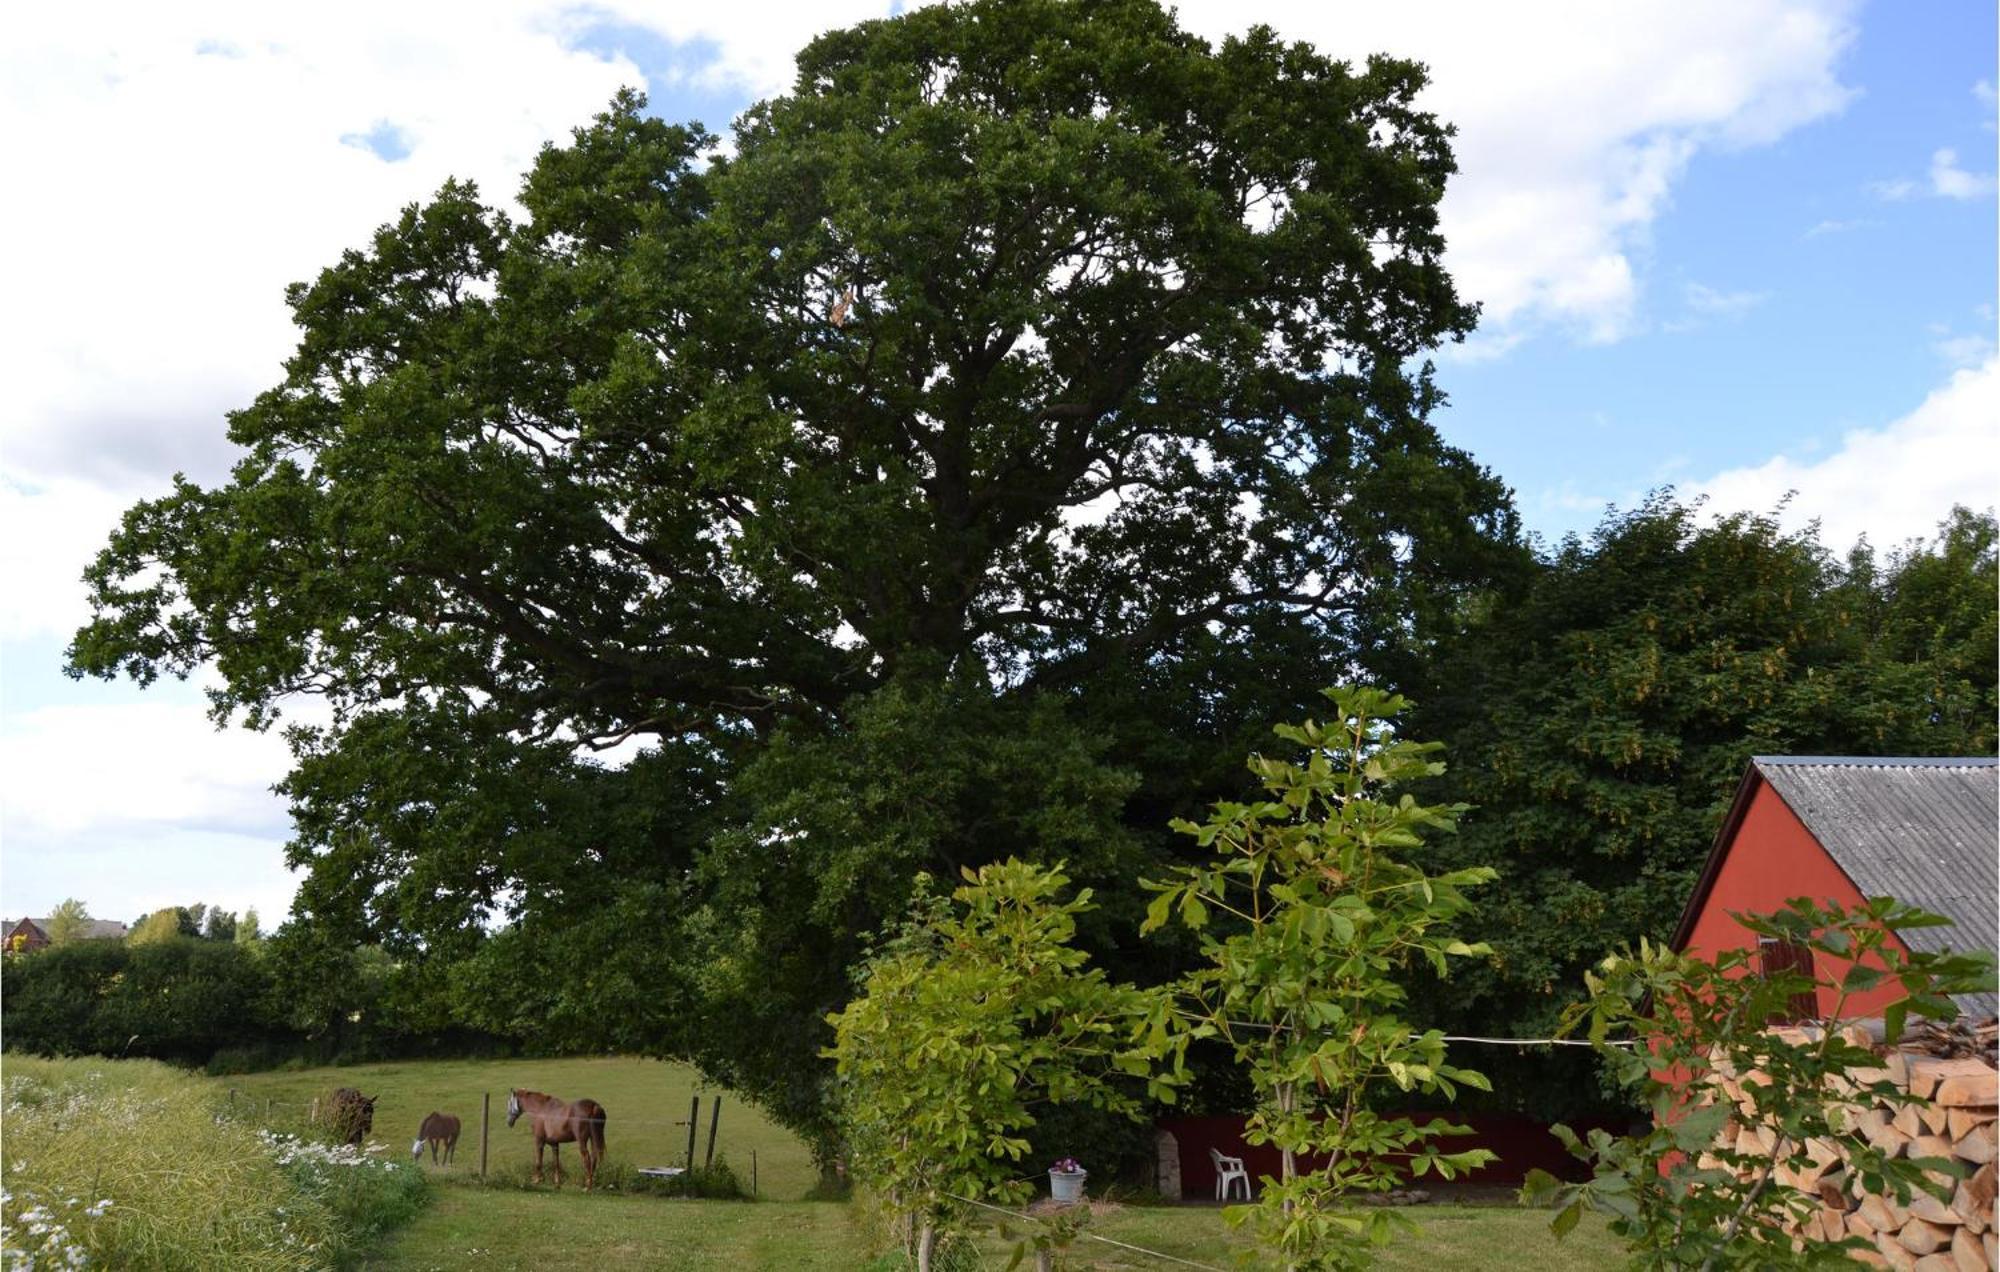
point(472, 1227)
point(643, 1099)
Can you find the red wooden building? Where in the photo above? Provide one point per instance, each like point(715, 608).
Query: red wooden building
point(1844, 828)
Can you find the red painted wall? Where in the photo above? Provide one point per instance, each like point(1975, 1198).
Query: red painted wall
point(1523, 1144)
point(1772, 859)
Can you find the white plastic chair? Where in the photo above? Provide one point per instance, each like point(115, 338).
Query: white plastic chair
point(1227, 1170)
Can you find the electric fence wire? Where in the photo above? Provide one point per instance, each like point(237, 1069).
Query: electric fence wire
point(1092, 1236)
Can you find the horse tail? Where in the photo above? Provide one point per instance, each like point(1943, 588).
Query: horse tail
point(597, 1128)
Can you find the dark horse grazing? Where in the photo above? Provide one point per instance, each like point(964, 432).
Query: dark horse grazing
point(352, 1114)
point(440, 1130)
point(559, 1122)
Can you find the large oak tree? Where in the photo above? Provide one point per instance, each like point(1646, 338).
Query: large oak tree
point(1032, 380)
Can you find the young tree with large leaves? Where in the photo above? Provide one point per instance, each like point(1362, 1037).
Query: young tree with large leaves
point(1320, 901)
point(1026, 345)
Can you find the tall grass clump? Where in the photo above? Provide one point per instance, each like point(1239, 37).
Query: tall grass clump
point(133, 1164)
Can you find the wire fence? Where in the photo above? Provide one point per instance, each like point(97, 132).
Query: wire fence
point(1089, 1236)
point(483, 1132)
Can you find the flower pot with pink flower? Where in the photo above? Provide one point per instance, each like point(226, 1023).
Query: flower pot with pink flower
point(1066, 1182)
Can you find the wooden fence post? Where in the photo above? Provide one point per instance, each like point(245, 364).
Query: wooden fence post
point(485, 1112)
point(694, 1120)
point(753, 1174)
point(714, 1116)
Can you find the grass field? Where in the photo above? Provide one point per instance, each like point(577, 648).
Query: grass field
point(643, 1099)
point(469, 1226)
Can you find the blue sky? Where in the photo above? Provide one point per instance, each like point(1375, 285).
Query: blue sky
point(1740, 246)
point(1844, 294)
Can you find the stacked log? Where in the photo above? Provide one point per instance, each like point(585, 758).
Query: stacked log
point(1957, 1118)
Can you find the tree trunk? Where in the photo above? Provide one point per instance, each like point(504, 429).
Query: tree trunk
point(1288, 1162)
point(926, 1244)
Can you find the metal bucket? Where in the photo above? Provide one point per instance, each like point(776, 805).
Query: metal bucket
point(1066, 1186)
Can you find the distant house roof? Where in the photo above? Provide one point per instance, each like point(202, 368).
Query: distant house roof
point(93, 929)
point(99, 929)
point(1925, 830)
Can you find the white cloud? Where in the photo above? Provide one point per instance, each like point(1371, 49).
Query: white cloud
point(1574, 119)
point(1963, 348)
point(1950, 181)
point(194, 158)
point(191, 161)
point(136, 805)
point(48, 534)
point(133, 765)
point(1715, 302)
point(1890, 484)
point(1947, 180)
point(1895, 191)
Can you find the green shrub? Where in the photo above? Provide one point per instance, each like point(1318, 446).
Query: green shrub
point(230, 1061)
point(712, 1183)
point(367, 1191)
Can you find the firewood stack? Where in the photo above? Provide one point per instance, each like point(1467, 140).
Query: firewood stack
point(1952, 1068)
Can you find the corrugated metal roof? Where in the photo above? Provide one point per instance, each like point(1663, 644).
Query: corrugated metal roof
point(1925, 830)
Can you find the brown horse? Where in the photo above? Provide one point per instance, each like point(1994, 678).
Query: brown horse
point(440, 1130)
point(559, 1122)
point(352, 1114)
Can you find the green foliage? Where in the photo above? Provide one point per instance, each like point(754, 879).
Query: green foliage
point(970, 1019)
point(1602, 719)
point(221, 1004)
point(1677, 1199)
point(51, 1002)
point(925, 778)
point(161, 925)
point(176, 999)
point(66, 923)
point(220, 926)
point(712, 1181)
point(721, 451)
point(1309, 916)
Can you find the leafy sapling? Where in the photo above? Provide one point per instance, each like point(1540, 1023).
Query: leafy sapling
point(1309, 916)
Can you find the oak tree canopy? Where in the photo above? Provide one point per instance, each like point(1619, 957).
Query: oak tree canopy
point(1033, 380)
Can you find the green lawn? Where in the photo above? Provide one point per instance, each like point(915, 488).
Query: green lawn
point(470, 1227)
point(642, 1101)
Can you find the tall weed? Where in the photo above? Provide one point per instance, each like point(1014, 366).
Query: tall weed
point(133, 1164)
